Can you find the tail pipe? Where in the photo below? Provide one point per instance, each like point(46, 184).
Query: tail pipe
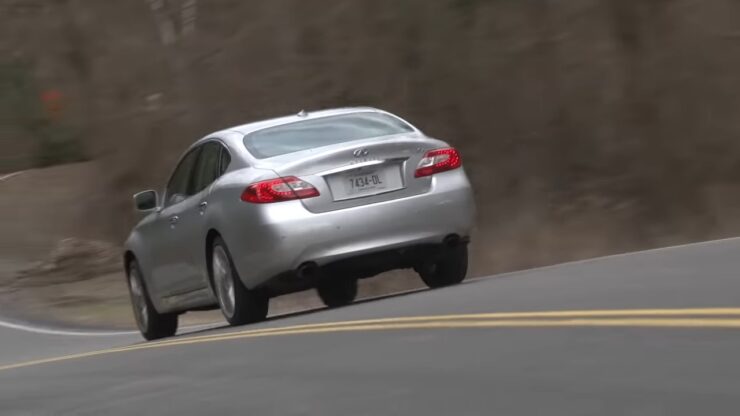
point(307, 270)
point(454, 240)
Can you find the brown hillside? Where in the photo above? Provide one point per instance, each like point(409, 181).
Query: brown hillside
point(587, 126)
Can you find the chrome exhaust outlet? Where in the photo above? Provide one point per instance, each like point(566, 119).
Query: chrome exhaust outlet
point(307, 270)
point(452, 241)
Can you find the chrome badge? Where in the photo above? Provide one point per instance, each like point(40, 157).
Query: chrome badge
point(360, 152)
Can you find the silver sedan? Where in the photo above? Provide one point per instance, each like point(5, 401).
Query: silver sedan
point(314, 200)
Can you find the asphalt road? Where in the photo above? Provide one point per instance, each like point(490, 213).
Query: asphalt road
point(625, 345)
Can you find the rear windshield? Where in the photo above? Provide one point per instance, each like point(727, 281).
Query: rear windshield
point(325, 131)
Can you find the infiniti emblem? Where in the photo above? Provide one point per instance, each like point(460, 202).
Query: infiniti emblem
point(360, 152)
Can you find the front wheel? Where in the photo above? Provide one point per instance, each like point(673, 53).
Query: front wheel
point(239, 305)
point(448, 269)
point(152, 324)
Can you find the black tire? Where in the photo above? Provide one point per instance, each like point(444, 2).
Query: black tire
point(248, 305)
point(448, 269)
point(152, 324)
point(337, 292)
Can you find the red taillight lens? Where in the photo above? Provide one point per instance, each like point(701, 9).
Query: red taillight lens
point(438, 160)
point(280, 189)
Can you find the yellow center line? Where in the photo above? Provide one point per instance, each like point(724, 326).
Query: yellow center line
point(496, 315)
point(633, 322)
point(544, 319)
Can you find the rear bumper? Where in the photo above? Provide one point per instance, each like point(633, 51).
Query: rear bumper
point(285, 235)
point(359, 266)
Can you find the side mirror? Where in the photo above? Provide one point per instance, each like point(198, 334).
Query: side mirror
point(146, 201)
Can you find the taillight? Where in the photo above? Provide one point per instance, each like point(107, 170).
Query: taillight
point(280, 189)
point(438, 160)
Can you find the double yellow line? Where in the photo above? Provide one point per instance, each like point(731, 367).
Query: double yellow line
point(666, 318)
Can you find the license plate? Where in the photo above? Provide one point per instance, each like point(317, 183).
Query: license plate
point(365, 181)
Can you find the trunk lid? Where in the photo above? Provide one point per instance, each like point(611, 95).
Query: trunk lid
point(360, 172)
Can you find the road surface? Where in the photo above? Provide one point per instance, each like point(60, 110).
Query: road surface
point(650, 333)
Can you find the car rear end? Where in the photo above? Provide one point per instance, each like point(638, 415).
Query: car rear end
point(388, 201)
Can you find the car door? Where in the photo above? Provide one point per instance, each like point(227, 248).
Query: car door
point(194, 229)
point(172, 272)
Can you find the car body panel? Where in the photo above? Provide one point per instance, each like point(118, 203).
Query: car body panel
point(175, 270)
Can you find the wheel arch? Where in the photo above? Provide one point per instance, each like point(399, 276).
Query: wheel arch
point(128, 257)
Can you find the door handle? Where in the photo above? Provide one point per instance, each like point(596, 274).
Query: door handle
point(203, 205)
point(174, 219)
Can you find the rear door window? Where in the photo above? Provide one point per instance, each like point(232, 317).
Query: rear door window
point(225, 161)
point(208, 168)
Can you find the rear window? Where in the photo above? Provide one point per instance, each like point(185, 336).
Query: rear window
point(325, 131)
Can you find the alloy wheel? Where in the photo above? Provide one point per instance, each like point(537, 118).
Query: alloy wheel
point(137, 296)
point(224, 281)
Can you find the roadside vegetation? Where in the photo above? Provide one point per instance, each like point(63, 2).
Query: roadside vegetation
point(588, 127)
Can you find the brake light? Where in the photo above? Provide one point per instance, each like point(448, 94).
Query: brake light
point(277, 190)
point(438, 160)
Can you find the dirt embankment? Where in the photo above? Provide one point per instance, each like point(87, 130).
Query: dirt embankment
point(50, 268)
point(587, 126)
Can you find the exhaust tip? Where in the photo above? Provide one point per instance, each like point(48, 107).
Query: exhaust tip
point(454, 240)
point(307, 270)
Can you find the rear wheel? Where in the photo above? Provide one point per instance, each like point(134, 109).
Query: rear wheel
point(448, 269)
point(337, 292)
point(152, 324)
point(239, 305)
